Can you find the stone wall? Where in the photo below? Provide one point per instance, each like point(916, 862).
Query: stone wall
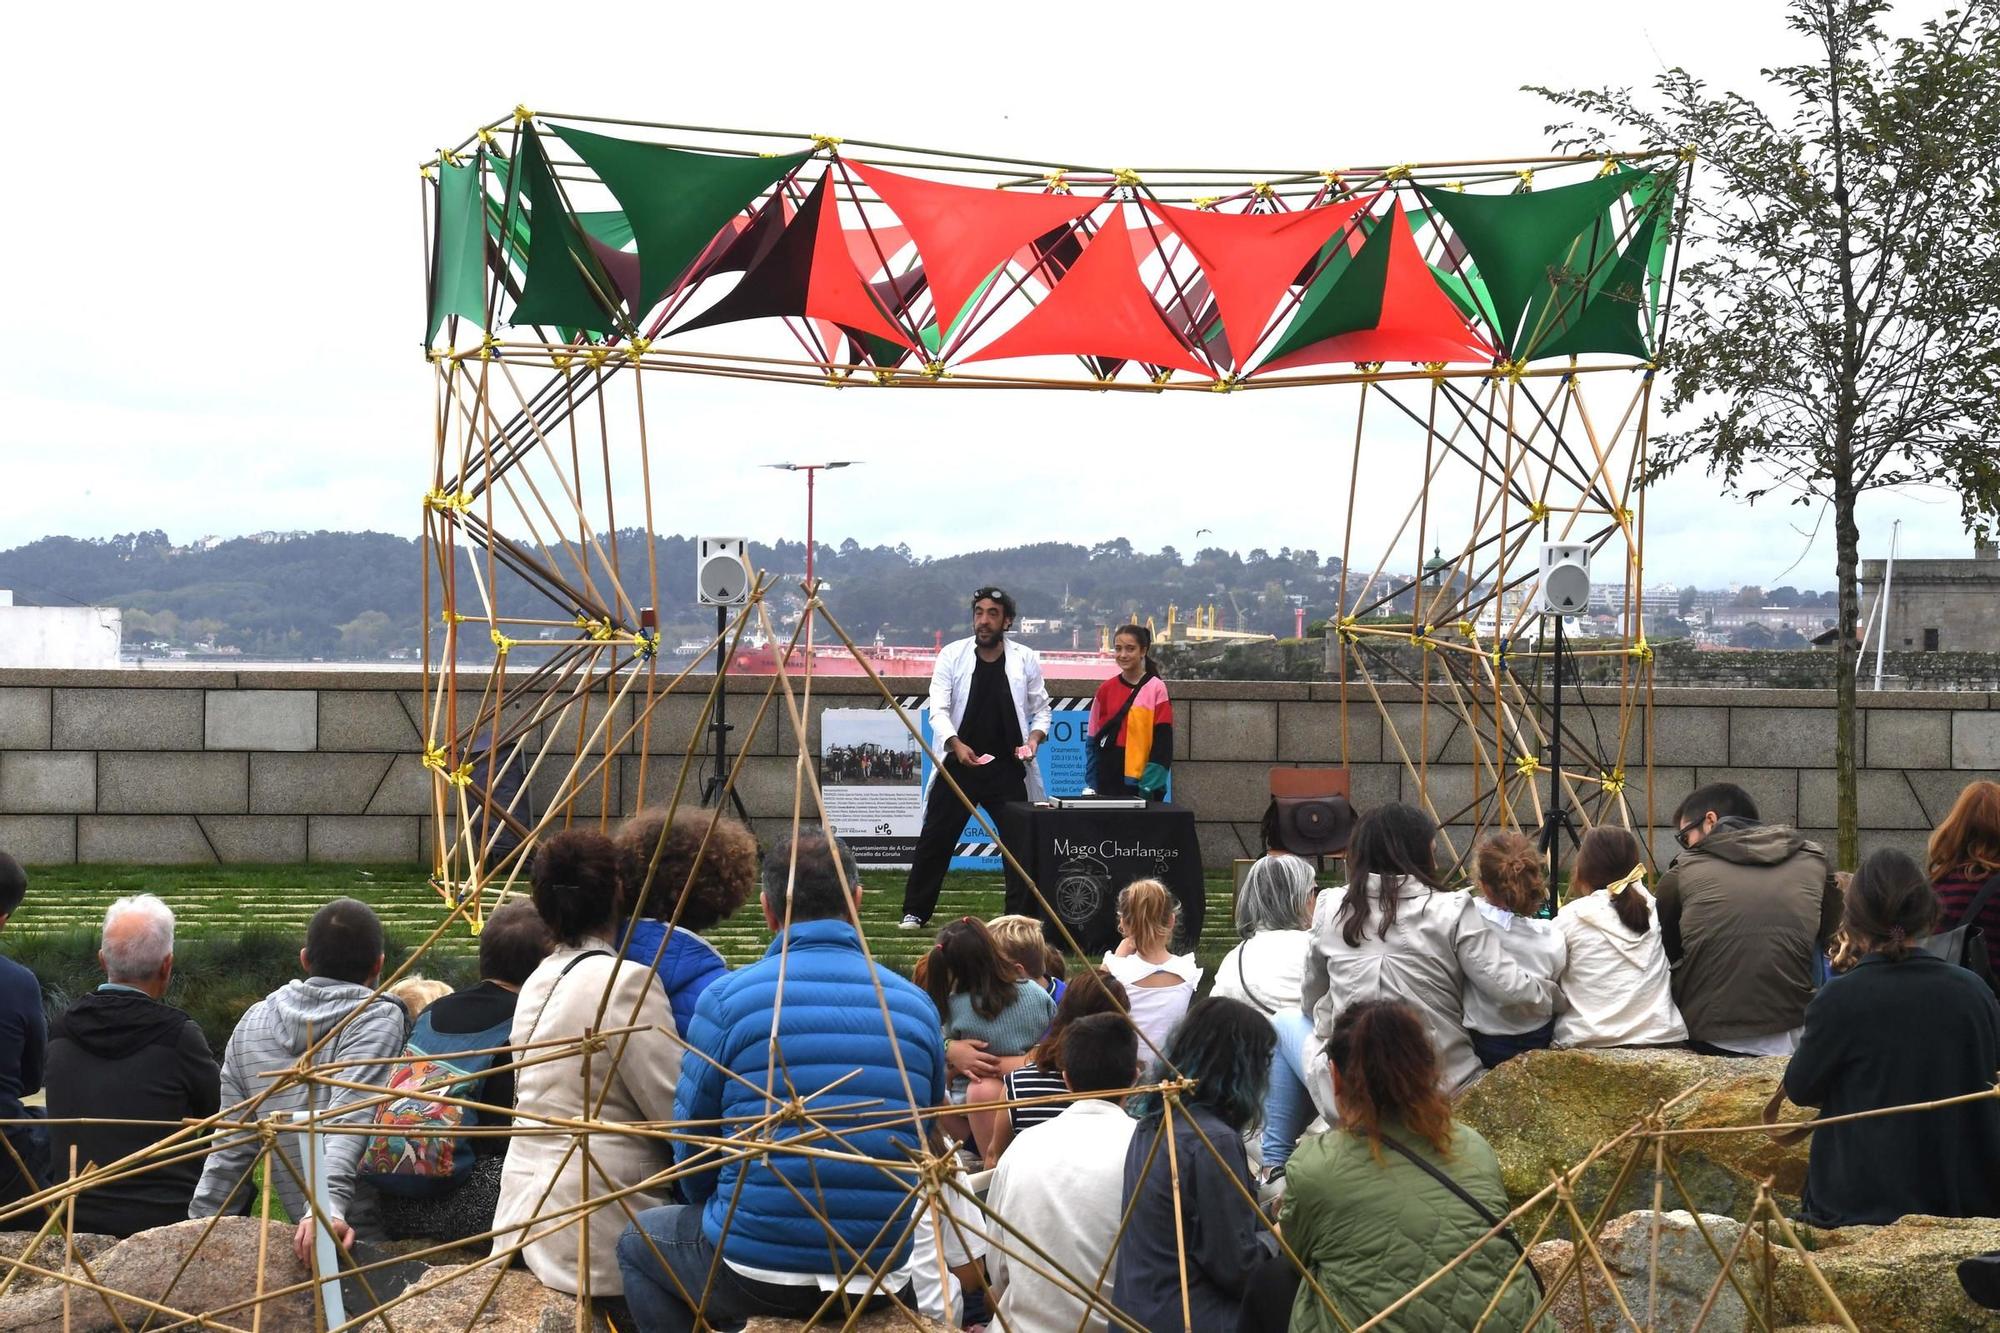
point(166, 766)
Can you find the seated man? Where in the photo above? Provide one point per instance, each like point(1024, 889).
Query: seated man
point(120, 1051)
point(342, 961)
point(777, 1256)
point(1061, 1187)
point(428, 1181)
point(1746, 911)
point(24, 1036)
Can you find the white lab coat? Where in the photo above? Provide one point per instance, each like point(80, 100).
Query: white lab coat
point(951, 686)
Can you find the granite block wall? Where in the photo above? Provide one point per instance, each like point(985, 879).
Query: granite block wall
point(326, 764)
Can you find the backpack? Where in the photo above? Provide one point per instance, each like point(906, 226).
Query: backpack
point(415, 1149)
point(1964, 945)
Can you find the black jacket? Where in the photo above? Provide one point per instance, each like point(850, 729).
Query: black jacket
point(120, 1053)
point(1219, 1229)
point(1889, 1034)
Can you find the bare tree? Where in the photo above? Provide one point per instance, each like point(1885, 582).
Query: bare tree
point(1842, 283)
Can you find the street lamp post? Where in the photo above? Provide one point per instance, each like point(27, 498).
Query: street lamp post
point(812, 471)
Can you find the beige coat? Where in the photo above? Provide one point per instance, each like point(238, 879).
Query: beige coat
point(1438, 944)
point(542, 1175)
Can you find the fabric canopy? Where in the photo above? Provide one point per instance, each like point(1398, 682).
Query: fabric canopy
point(458, 272)
point(563, 280)
point(1520, 240)
point(1099, 308)
point(1384, 305)
point(1250, 259)
point(808, 272)
point(962, 233)
point(897, 264)
point(676, 200)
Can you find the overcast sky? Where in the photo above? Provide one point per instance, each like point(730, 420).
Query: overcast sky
point(212, 252)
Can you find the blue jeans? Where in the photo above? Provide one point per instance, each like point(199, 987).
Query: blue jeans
point(732, 1300)
point(1288, 1107)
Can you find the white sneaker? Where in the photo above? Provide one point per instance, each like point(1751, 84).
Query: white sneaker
point(910, 922)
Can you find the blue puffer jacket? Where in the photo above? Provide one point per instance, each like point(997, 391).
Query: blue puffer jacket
point(687, 967)
point(832, 1025)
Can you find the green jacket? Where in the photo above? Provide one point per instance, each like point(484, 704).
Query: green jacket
point(1369, 1230)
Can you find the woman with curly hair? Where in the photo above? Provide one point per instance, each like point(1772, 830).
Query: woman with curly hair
point(580, 987)
point(1190, 1198)
point(684, 876)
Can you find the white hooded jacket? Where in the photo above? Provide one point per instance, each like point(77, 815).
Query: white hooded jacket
point(1615, 985)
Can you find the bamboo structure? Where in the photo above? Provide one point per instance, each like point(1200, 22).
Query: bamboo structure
point(1502, 313)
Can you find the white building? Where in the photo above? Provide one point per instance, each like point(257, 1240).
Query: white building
point(58, 636)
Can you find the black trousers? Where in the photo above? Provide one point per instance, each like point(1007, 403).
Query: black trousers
point(944, 820)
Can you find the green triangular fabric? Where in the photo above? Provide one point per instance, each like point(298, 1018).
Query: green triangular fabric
point(1657, 192)
point(1516, 238)
point(1346, 297)
point(555, 290)
point(676, 201)
point(1615, 320)
point(611, 227)
point(1574, 280)
point(1467, 292)
point(458, 284)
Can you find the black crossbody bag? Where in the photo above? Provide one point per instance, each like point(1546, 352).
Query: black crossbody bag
point(1103, 740)
point(1485, 1213)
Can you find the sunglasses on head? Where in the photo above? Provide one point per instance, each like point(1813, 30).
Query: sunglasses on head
point(990, 594)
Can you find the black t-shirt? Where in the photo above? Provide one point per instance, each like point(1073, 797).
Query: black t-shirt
point(990, 725)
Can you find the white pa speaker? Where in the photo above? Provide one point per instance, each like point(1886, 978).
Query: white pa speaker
point(1565, 589)
point(722, 571)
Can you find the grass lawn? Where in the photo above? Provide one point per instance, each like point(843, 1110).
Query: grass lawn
point(240, 927)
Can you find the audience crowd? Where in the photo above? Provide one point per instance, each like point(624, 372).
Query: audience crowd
point(1217, 1161)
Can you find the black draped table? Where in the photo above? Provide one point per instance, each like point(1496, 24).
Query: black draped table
point(1081, 857)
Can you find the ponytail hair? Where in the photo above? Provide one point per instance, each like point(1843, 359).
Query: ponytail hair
point(1146, 914)
point(1511, 873)
point(1144, 638)
point(1388, 1070)
point(1610, 855)
point(1889, 906)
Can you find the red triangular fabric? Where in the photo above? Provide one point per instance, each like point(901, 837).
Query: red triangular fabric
point(1418, 323)
point(1252, 258)
point(833, 289)
point(872, 247)
point(964, 233)
point(1100, 308)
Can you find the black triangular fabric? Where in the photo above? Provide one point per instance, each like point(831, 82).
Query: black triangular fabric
point(776, 284)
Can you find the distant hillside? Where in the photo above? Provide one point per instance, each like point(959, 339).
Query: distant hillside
point(359, 595)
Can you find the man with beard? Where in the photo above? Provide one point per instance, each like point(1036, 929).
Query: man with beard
point(989, 713)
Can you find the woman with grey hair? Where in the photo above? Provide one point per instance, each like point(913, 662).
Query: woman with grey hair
point(1267, 971)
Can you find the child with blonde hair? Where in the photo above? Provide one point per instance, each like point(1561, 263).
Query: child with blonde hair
point(1512, 887)
point(1023, 943)
point(1160, 982)
point(416, 992)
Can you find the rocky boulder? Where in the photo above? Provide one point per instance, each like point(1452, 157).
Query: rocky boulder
point(1899, 1277)
point(155, 1266)
point(1545, 1111)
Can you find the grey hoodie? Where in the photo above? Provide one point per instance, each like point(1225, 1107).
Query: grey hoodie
point(272, 1036)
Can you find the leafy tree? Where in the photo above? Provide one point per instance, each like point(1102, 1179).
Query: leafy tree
point(1841, 327)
